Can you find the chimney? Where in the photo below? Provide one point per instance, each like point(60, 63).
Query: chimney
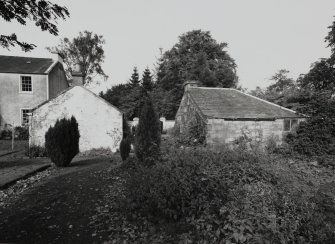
point(56, 57)
point(189, 84)
point(77, 76)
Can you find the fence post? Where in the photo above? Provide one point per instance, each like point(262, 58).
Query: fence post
point(13, 132)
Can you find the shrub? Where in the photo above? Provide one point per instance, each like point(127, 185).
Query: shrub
point(125, 147)
point(187, 182)
point(62, 141)
point(194, 133)
point(35, 151)
point(271, 145)
point(6, 134)
point(148, 136)
point(233, 196)
point(22, 133)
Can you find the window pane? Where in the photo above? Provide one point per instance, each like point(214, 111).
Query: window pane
point(25, 117)
point(26, 84)
point(287, 126)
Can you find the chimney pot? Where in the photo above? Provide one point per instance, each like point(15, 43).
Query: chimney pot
point(188, 84)
point(57, 57)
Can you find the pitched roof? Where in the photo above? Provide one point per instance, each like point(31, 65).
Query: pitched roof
point(24, 65)
point(77, 88)
point(227, 103)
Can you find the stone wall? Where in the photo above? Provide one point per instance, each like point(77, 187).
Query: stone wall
point(100, 124)
point(220, 131)
point(186, 112)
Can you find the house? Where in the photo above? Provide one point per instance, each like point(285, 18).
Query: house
point(100, 123)
point(26, 82)
point(228, 114)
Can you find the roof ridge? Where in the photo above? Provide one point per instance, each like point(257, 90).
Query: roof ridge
point(218, 88)
point(23, 57)
point(274, 104)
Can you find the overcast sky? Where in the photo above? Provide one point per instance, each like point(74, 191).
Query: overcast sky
point(263, 36)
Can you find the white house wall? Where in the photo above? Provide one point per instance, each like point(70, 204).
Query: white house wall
point(100, 124)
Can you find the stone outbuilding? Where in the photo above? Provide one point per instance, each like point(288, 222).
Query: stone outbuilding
point(100, 123)
point(228, 114)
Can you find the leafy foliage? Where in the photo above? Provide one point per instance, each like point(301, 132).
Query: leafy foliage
point(148, 136)
point(316, 136)
point(62, 141)
point(87, 51)
point(125, 145)
point(233, 196)
point(125, 148)
point(22, 133)
point(126, 97)
point(147, 82)
point(195, 132)
point(135, 78)
point(282, 91)
point(35, 151)
point(330, 38)
point(197, 56)
point(44, 13)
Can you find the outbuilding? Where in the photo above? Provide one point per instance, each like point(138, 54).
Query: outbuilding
point(100, 123)
point(228, 115)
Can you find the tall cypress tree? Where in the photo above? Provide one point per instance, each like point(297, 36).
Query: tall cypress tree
point(135, 77)
point(148, 137)
point(147, 83)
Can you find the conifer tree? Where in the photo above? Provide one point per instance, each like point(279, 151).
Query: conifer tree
point(147, 83)
point(135, 78)
point(147, 141)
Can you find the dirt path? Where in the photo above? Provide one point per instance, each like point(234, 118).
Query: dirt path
point(58, 209)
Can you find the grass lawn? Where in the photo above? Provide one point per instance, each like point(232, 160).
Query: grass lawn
point(6, 146)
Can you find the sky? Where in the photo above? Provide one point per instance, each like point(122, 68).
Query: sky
point(263, 36)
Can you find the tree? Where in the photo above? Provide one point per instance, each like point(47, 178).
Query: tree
point(282, 91)
point(125, 97)
point(330, 38)
point(320, 77)
point(148, 136)
point(196, 56)
point(147, 83)
point(44, 13)
point(135, 78)
point(87, 51)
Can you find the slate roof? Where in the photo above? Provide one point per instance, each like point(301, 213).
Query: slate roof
point(24, 65)
point(226, 103)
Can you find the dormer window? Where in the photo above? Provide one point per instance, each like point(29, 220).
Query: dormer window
point(26, 84)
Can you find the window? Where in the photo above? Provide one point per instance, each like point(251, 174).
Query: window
point(25, 117)
point(290, 124)
point(26, 84)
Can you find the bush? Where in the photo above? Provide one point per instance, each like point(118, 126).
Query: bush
point(271, 145)
point(148, 136)
point(187, 182)
point(62, 141)
point(125, 147)
point(22, 133)
point(35, 151)
point(233, 196)
point(6, 134)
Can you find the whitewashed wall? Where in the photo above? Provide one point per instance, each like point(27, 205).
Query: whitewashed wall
point(100, 124)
